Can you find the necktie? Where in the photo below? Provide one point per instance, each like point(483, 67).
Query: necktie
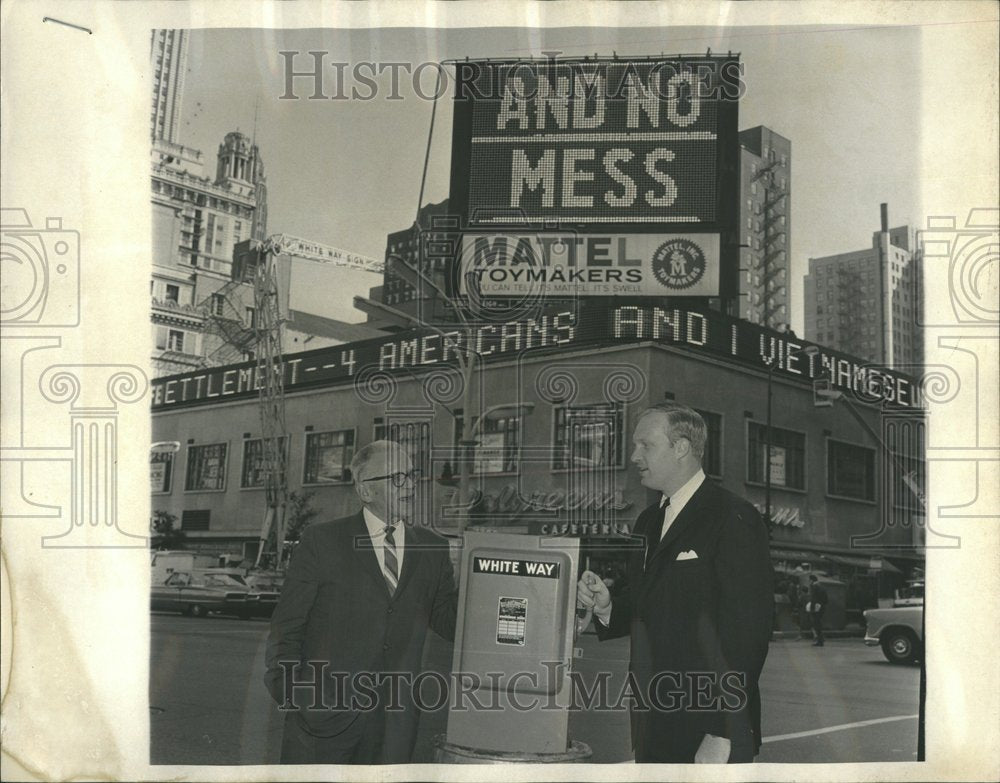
point(667, 519)
point(391, 567)
point(655, 536)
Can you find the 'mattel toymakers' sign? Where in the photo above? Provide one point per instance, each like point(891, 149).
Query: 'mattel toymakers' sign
point(710, 333)
point(590, 264)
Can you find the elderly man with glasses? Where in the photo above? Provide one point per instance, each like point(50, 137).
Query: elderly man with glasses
point(348, 634)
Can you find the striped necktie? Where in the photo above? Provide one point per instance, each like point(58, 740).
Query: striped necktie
point(391, 567)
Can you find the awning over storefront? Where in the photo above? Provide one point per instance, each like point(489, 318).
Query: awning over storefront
point(800, 555)
point(881, 564)
point(793, 554)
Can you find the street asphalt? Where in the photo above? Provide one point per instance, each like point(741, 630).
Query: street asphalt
point(838, 703)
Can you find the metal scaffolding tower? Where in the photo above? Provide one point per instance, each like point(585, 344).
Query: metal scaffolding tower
point(270, 376)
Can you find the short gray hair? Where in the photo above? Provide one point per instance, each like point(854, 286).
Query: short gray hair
point(682, 422)
point(364, 456)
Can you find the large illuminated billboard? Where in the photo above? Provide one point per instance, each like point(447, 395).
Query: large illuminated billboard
point(605, 146)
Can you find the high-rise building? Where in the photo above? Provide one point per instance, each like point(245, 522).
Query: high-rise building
point(866, 302)
point(196, 223)
point(412, 245)
point(168, 61)
point(765, 226)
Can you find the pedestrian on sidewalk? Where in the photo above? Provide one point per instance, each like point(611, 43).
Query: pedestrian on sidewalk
point(801, 615)
point(815, 608)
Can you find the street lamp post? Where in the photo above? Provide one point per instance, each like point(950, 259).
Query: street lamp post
point(808, 350)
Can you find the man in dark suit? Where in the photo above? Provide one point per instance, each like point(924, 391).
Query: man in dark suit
point(358, 598)
point(698, 606)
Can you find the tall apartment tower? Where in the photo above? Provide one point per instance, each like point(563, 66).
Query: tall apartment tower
point(411, 245)
point(867, 302)
point(168, 62)
point(765, 227)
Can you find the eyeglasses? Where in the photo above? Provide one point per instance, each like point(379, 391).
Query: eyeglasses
point(398, 479)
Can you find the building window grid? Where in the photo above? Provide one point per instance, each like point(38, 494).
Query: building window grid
point(850, 470)
point(252, 473)
point(588, 436)
point(328, 457)
point(509, 430)
point(206, 468)
point(792, 445)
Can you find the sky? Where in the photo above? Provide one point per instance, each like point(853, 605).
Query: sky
point(348, 172)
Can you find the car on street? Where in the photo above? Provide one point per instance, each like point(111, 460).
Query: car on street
point(198, 593)
point(898, 629)
point(264, 586)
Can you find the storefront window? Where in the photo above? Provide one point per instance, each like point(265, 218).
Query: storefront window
point(206, 468)
point(161, 471)
point(328, 456)
point(254, 468)
point(788, 466)
point(498, 445)
point(588, 436)
point(850, 470)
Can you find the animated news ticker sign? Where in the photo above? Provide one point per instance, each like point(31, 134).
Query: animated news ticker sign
point(713, 334)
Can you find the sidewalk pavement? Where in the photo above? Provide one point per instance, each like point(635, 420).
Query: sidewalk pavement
point(850, 632)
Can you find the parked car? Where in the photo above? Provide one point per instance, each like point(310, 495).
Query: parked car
point(899, 629)
point(164, 562)
point(265, 587)
point(199, 592)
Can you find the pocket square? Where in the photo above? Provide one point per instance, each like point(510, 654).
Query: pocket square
point(688, 555)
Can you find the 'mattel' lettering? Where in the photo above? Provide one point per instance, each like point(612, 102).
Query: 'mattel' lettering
point(487, 565)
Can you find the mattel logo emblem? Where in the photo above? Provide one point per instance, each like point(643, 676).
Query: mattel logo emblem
point(678, 264)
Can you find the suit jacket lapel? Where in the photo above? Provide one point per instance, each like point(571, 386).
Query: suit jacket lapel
point(364, 550)
point(688, 514)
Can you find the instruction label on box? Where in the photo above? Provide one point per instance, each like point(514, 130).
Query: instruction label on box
point(510, 620)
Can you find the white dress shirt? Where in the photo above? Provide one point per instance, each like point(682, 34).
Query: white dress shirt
point(677, 502)
point(680, 499)
point(376, 530)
